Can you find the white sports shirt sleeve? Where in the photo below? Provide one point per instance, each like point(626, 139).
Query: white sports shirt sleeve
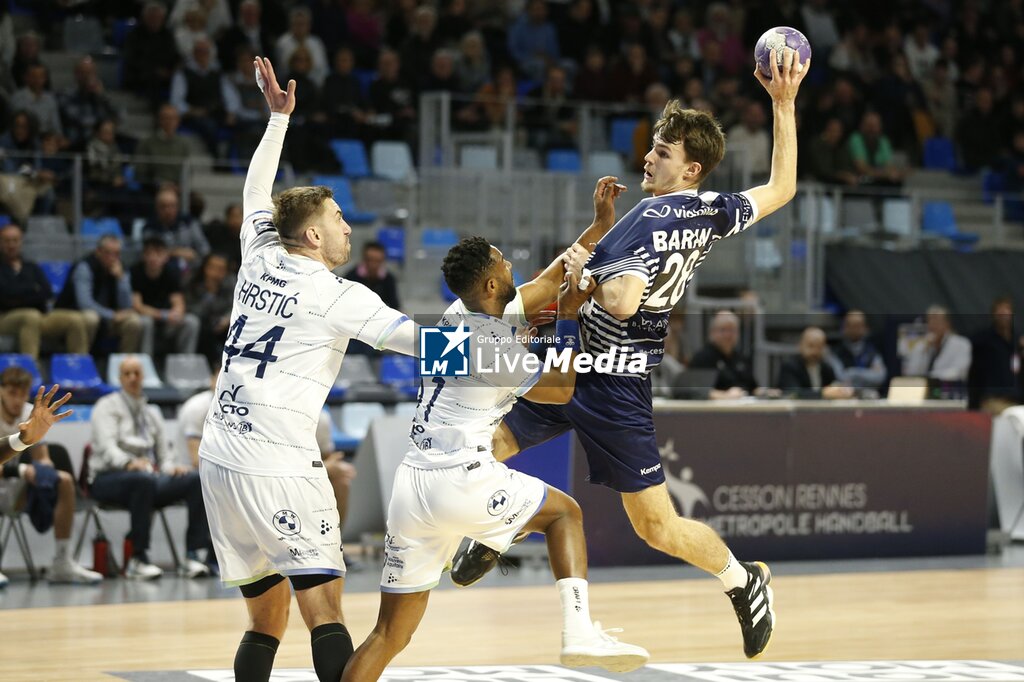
point(291, 323)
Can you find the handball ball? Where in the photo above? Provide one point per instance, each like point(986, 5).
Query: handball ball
point(776, 39)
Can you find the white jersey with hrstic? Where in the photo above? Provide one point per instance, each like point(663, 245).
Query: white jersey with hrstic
point(291, 323)
point(456, 416)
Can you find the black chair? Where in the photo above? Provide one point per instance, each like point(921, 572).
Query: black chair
point(11, 511)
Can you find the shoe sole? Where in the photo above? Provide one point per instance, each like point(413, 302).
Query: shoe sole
point(618, 663)
point(771, 610)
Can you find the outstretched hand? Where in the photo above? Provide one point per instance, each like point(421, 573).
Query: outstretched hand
point(279, 101)
point(785, 80)
point(44, 415)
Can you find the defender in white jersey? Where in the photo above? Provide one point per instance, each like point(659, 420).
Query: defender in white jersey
point(271, 508)
point(449, 484)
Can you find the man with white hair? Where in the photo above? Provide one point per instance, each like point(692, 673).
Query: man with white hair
point(943, 355)
point(735, 378)
point(300, 35)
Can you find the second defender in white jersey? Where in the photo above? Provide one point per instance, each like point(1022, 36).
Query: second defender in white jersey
point(449, 484)
point(272, 510)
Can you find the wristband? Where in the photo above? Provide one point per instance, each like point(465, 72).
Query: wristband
point(16, 443)
point(567, 335)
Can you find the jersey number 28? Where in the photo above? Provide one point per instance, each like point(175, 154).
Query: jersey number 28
point(671, 281)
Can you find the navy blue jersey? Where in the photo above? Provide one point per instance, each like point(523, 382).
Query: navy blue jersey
point(662, 241)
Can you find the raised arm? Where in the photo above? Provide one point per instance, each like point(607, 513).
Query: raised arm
point(543, 290)
point(259, 181)
point(44, 415)
point(782, 86)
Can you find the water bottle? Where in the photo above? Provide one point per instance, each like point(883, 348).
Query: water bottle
point(100, 552)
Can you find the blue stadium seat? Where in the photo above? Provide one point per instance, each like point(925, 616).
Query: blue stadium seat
point(622, 135)
point(25, 362)
point(343, 195)
point(401, 372)
point(937, 219)
point(365, 77)
point(119, 31)
point(94, 228)
point(447, 294)
point(939, 154)
point(57, 273)
point(439, 238)
point(393, 241)
point(77, 373)
point(564, 161)
point(351, 154)
point(992, 183)
point(5, 220)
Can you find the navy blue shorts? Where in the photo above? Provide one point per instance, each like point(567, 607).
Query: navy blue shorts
point(614, 419)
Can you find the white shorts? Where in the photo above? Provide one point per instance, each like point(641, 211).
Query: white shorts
point(262, 525)
point(431, 510)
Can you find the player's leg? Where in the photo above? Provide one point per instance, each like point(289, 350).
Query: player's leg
point(504, 443)
point(656, 522)
point(400, 614)
point(319, 598)
point(528, 505)
point(340, 473)
point(267, 601)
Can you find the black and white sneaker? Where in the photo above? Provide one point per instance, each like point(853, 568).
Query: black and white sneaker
point(472, 562)
point(753, 605)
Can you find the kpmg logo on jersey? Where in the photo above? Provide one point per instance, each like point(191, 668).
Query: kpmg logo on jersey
point(444, 351)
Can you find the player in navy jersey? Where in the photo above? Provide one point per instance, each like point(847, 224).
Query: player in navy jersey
point(642, 267)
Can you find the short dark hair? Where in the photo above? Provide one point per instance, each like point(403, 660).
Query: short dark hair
point(154, 243)
point(16, 377)
point(374, 245)
point(466, 263)
point(698, 131)
point(293, 207)
point(1004, 299)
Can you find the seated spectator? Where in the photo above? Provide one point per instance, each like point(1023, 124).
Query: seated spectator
point(720, 28)
point(247, 104)
point(306, 149)
point(157, 297)
point(735, 378)
point(300, 35)
point(27, 52)
point(632, 76)
point(203, 95)
point(372, 272)
point(165, 150)
point(751, 136)
point(550, 119)
point(807, 375)
point(100, 288)
point(854, 56)
point(940, 99)
point(191, 31)
point(343, 99)
point(942, 354)
point(441, 77)
point(494, 97)
point(36, 99)
point(247, 32)
point(419, 47)
point(474, 64)
point(392, 99)
point(365, 31)
point(979, 132)
point(872, 153)
point(224, 236)
point(183, 235)
point(995, 381)
point(85, 104)
point(132, 466)
point(828, 157)
point(683, 35)
point(107, 192)
point(192, 419)
point(216, 14)
point(150, 54)
point(860, 363)
point(920, 52)
point(50, 501)
point(592, 79)
point(21, 155)
point(209, 296)
point(533, 41)
point(24, 306)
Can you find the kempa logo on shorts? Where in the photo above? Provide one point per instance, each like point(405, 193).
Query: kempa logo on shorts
point(650, 470)
point(497, 504)
point(287, 522)
point(446, 352)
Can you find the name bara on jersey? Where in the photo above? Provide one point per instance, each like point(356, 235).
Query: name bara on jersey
point(681, 240)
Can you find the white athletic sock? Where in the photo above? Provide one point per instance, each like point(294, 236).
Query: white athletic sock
point(62, 552)
point(733, 575)
point(575, 607)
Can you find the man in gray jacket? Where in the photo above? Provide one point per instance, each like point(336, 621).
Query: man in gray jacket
point(131, 466)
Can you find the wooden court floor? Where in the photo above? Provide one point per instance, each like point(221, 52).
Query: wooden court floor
point(945, 614)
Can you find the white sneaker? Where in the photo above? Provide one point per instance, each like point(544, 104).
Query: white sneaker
point(70, 572)
point(3, 580)
point(602, 650)
point(194, 569)
point(139, 570)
